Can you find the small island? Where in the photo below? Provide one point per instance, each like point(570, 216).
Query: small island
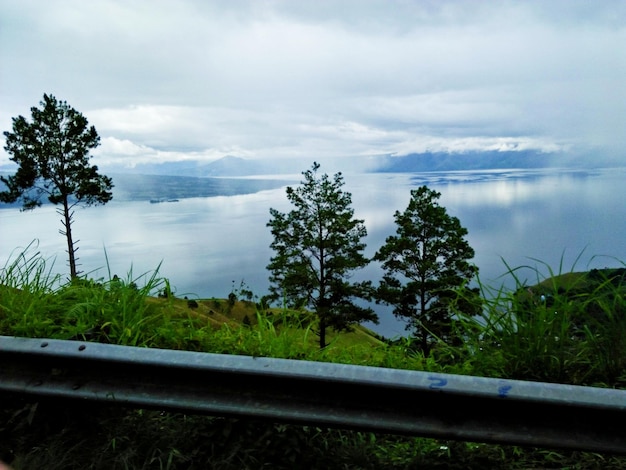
point(157, 201)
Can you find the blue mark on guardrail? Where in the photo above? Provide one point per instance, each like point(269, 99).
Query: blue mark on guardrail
point(437, 383)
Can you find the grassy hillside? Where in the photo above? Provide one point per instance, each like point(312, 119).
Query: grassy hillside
point(133, 312)
point(217, 313)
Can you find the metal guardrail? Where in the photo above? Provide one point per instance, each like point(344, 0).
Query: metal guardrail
point(336, 395)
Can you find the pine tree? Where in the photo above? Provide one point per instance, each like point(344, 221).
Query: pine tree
point(426, 264)
point(52, 152)
point(318, 245)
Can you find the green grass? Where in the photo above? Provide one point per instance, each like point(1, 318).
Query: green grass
point(133, 312)
point(568, 327)
point(575, 334)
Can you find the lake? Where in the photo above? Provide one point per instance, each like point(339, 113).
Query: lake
point(205, 244)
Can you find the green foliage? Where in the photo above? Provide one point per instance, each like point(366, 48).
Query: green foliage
point(128, 311)
point(317, 246)
point(568, 328)
point(34, 303)
point(242, 292)
point(26, 283)
point(83, 437)
point(426, 263)
point(52, 152)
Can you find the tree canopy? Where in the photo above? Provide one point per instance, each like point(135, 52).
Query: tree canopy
point(426, 264)
point(52, 152)
point(318, 245)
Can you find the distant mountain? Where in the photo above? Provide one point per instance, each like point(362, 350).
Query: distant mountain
point(440, 161)
point(236, 166)
point(228, 166)
point(492, 160)
point(185, 168)
point(231, 166)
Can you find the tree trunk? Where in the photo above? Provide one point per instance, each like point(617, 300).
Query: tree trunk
point(424, 333)
point(67, 223)
point(322, 333)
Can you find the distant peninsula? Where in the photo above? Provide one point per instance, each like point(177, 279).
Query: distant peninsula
point(164, 188)
point(484, 160)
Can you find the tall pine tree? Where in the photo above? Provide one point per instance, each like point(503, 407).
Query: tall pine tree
point(318, 245)
point(52, 152)
point(426, 264)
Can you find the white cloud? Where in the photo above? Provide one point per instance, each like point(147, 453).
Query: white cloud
point(127, 154)
point(422, 144)
point(276, 78)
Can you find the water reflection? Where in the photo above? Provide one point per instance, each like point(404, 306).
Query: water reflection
point(204, 244)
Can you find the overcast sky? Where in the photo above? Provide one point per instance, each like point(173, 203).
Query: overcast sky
point(166, 80)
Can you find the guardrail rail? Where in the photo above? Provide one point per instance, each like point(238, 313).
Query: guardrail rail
point(336, 395)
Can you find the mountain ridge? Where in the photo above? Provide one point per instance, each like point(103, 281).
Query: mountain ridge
point(234, 166)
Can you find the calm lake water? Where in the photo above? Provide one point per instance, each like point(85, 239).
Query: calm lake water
point(204, 244)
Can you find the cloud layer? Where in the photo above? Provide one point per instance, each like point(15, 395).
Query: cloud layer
point(167, 80)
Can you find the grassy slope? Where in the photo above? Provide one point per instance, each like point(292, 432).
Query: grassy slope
point(583, 281)
point(216, 313)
